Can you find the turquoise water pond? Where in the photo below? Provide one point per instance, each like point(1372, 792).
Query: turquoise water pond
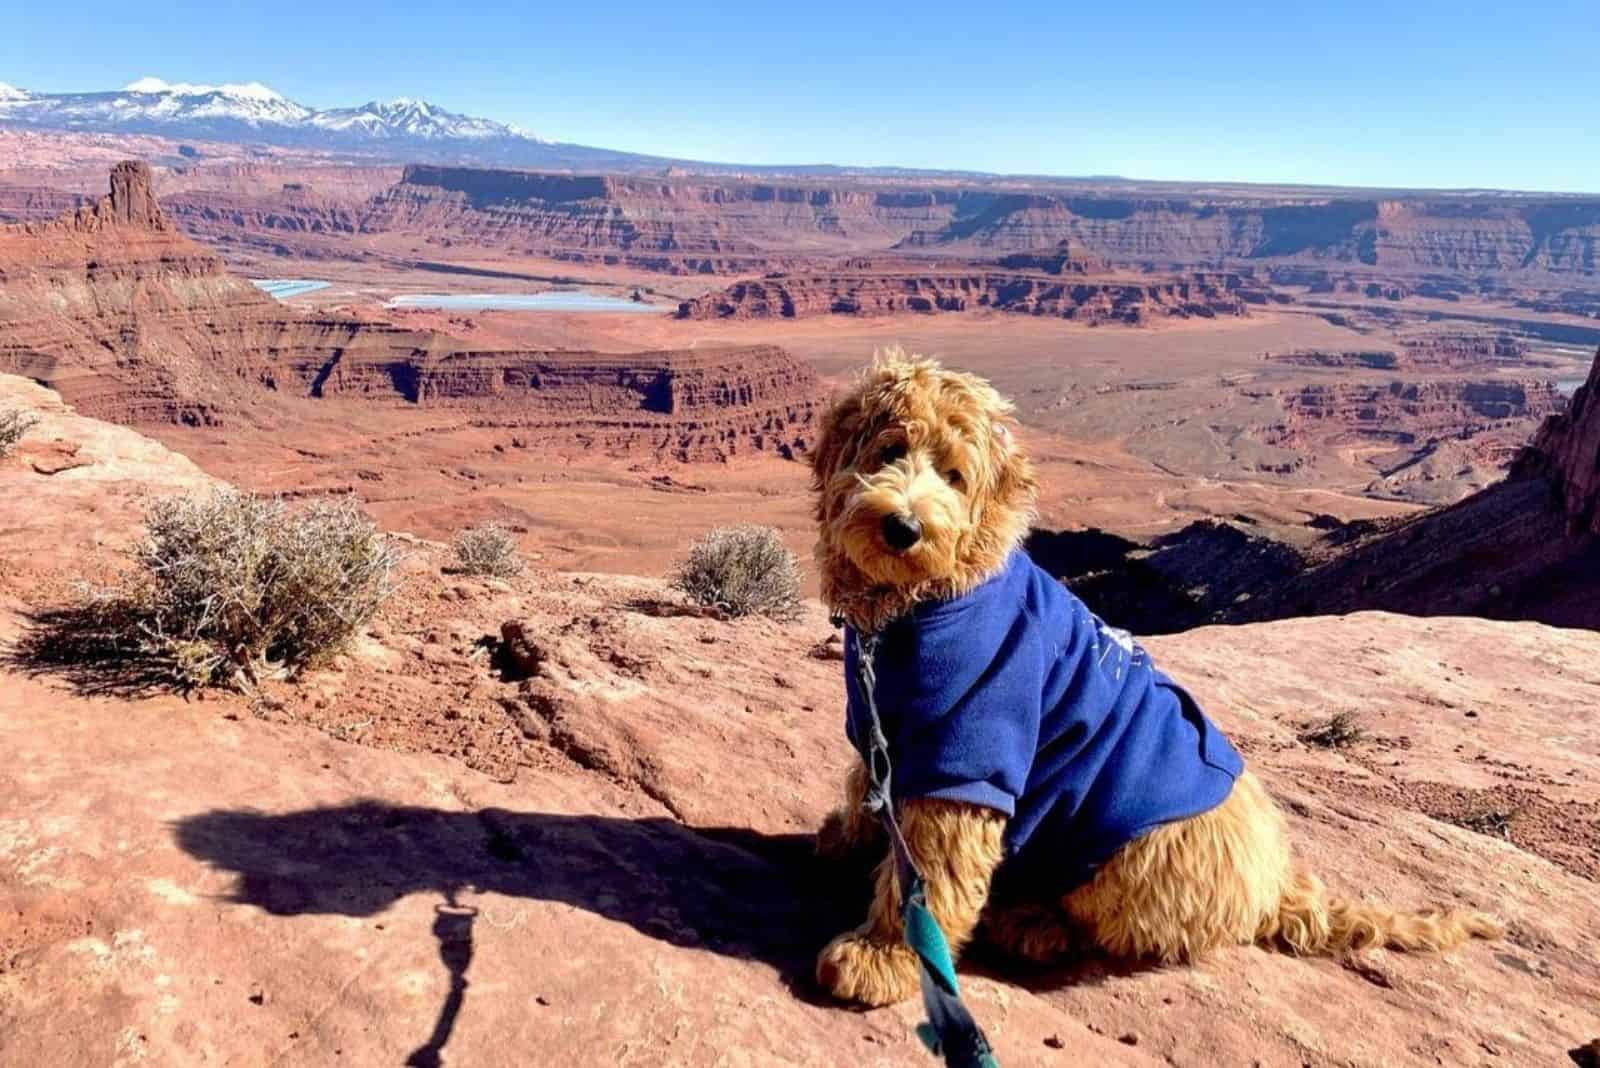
point(547, 301)
point(284, 288)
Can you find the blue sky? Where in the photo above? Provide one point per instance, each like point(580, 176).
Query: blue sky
point(1406, 94)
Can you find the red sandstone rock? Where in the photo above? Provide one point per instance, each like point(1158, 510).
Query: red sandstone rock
point(1524, 548)
point(678, 224)
point(1537, 251)
point(613, 857)
point(1413, 412)
point(865, 291)
point(1570, 446)
point(132, 321)
point(1443, 351)
point(26, 203)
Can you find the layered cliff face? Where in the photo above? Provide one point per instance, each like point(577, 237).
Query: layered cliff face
point(1557, 236)
point(130, 320)
point(1385, 247)
point(1409, 412)
point(29, 203)
point(1427, 439)
point(280, 221)
point(135, 323)
point(1463, 236)
point(1430, 352)
point(886, 292)
point(1154, 232)
point(1463, 350)
point(1569, 450)
point(693, 405)
point(687, 223)
point(308, 212)
point(1527, 547)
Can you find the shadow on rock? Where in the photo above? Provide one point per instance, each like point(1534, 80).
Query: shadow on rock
point(732, 891)
point(452, 929)
point(93, 648)
point(1090, 969)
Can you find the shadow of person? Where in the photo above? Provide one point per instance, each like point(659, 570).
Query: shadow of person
point(452, 928)
point(731, 891)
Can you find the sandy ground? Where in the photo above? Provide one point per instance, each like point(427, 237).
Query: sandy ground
point(633, 514)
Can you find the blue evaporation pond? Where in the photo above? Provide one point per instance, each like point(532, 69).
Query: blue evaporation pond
point(284, 288)
point(563, 301)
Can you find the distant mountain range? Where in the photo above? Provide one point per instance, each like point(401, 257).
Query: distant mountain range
point(402, 130)
point(254, 113)
point(409, 130)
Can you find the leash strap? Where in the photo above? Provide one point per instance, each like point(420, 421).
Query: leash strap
point(950, 1031)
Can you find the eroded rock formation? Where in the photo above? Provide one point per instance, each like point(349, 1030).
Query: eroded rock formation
point(1443, 351)
point(1568, 452)
point(31, 203)
point(127, 318)
point(133, 322)
point(712, 403)
point(886, 291)
point(683, 224)
point(1525, 548)
point(707, 216)
point(1408, 412)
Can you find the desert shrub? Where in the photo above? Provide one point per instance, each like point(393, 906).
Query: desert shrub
point(743, 570)
point(1338, 731)
point(228, 585)
point(13, 424)
point(1492, 820)
point(487, 549)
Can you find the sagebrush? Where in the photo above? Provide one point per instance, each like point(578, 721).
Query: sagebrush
point(743, 570)
point(487, 549)
point(228, 586)
point(1339, 731)
point(14, 424)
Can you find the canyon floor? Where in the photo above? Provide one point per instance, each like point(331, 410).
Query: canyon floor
point(615, 853)
point(1136, 431)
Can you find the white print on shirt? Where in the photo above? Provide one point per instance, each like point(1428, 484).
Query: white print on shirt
point(1117, 650)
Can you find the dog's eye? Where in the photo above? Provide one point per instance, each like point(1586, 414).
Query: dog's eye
point(953, 477)
point(891, 454)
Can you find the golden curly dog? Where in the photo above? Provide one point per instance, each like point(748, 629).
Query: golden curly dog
point(934, 450)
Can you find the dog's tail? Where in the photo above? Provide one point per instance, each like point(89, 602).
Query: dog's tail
point(1311, 921)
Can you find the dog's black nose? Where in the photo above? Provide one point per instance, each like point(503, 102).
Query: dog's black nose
point(901, 532)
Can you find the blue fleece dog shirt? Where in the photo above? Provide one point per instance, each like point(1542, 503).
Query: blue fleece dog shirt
point(1016, 697)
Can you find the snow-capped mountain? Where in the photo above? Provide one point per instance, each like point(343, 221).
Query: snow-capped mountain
point(253, 112)
point(411, 118)
point(401, 131)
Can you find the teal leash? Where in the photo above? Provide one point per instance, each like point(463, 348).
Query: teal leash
point(950, 1031)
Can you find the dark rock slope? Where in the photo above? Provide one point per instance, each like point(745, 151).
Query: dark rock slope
point(1525, 548)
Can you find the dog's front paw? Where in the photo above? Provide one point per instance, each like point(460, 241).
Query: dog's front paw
point(834, 841)
point(843, 840)
point(854, 967)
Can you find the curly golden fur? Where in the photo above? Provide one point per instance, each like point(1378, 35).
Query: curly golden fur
point(937, 447)
point(914, 439)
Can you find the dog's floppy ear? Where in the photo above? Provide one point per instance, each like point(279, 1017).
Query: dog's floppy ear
point(1014, 483)
point(849, 418)
point(839, 425)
